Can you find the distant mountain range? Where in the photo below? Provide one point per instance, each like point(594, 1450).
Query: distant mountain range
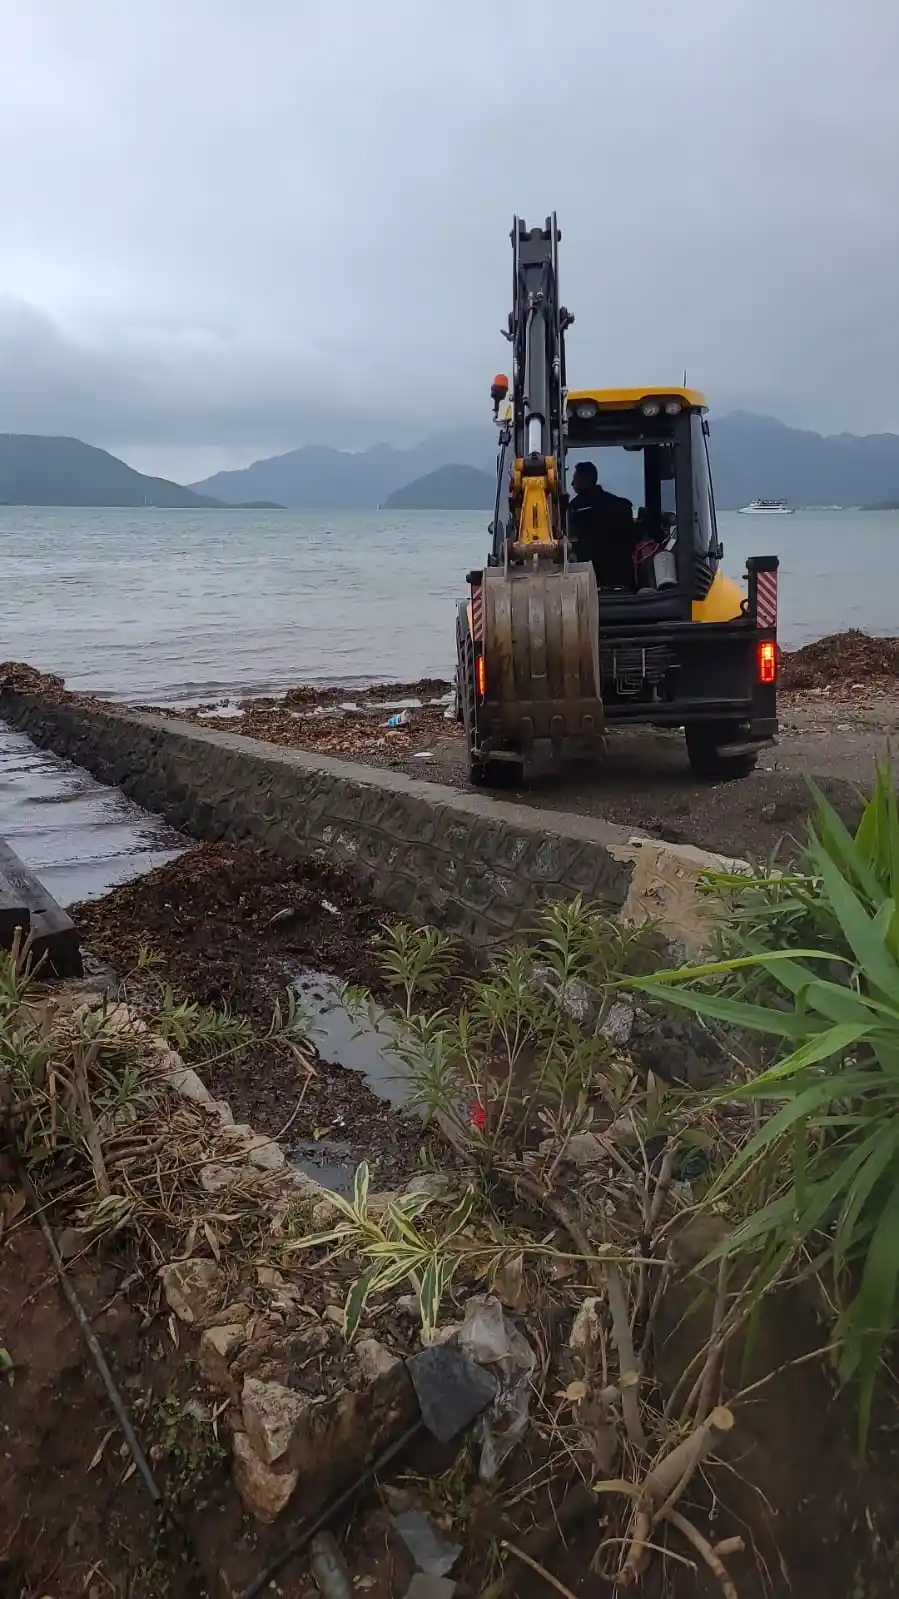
point(752, 457)
point(449, 488)
point(40, 470)
point(318, 477)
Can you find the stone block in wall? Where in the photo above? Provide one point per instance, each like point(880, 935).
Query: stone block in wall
point(474, 865)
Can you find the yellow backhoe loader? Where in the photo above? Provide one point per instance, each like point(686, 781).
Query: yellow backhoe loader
point(550, 658)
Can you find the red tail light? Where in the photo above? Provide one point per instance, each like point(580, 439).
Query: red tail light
point(480, 675)
point(767, 661)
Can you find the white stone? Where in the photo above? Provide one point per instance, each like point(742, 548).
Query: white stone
point(193, 1288)
point(584, 1150)
point(373, 1359)
point(218, 1346)
point(217, 1179)
point(435, 1184)
point(263, 1491)
point(260, 1151)
point(324, 1215)
point(306, 1187)
point(185, 1082)
point(618, 1024)
point(272, 1414)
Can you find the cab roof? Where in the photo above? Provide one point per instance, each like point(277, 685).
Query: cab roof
point(632, 399)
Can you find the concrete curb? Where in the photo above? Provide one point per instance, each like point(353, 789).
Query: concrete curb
point(477, 866)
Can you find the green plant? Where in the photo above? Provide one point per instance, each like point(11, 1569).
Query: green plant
point(825, 1157)
point(525, 1044)
point(187, 1025)
point(395, 1249)
point(417, 960)
point(187, 1443)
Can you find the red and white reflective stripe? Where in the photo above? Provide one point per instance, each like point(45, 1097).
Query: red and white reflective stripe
point(477, 612)
point(766, 599)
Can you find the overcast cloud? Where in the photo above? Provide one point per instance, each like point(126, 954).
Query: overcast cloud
point(229, 227)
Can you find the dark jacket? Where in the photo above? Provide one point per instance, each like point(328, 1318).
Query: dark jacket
point(602, 530)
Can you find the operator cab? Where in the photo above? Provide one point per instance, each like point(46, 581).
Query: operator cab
point(650, 447)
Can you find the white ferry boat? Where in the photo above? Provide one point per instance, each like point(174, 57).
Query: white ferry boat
point(766, 508)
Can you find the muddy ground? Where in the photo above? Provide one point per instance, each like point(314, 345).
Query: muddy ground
point(232, 926)
point(839, 711)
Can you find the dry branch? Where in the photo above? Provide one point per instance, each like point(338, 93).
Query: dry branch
point(704, 1548)
point(664, 1484)
point(627, 1364)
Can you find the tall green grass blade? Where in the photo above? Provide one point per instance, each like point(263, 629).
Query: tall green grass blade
point(880, 1150)
point(755, 1018)
point(871, 957)
point(872, 1316)
point(824, 1046)
point(842, 848)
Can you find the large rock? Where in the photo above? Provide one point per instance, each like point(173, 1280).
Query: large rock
point(194, 1288)
point(276, 1419)
point(263, 1490)
point(326, 1439)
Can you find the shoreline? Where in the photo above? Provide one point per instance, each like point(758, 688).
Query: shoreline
point(839, 709)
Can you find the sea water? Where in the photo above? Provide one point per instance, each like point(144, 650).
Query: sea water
point(167, 606)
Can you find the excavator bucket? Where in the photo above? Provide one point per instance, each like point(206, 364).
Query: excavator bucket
point(541, 648)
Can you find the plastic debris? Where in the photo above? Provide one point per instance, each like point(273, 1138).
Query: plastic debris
point(423, 755)
point(401, 719)
point(489, 1337)
point(434, 1554)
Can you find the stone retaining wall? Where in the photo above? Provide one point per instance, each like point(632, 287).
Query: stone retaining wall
point(478, 866)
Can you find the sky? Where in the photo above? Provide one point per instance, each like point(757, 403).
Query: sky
point(232, 228)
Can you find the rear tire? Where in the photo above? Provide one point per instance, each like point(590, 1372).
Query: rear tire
point(706, 760)
point(482, 773)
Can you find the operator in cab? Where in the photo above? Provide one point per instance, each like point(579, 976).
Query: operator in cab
point(601, 529)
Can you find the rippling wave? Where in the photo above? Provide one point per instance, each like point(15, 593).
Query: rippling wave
point(171, 606)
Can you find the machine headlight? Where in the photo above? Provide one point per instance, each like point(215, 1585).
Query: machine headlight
point(587, 410)
point(650, 408)
point(673, 408)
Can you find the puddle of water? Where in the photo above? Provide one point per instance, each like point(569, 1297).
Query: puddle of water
point(353, 1042)
point(327, 1162)
point(360, 1044)
point(80, 837)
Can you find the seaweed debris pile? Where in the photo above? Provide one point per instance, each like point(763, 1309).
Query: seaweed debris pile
point(385, 723)
point(852, 661)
